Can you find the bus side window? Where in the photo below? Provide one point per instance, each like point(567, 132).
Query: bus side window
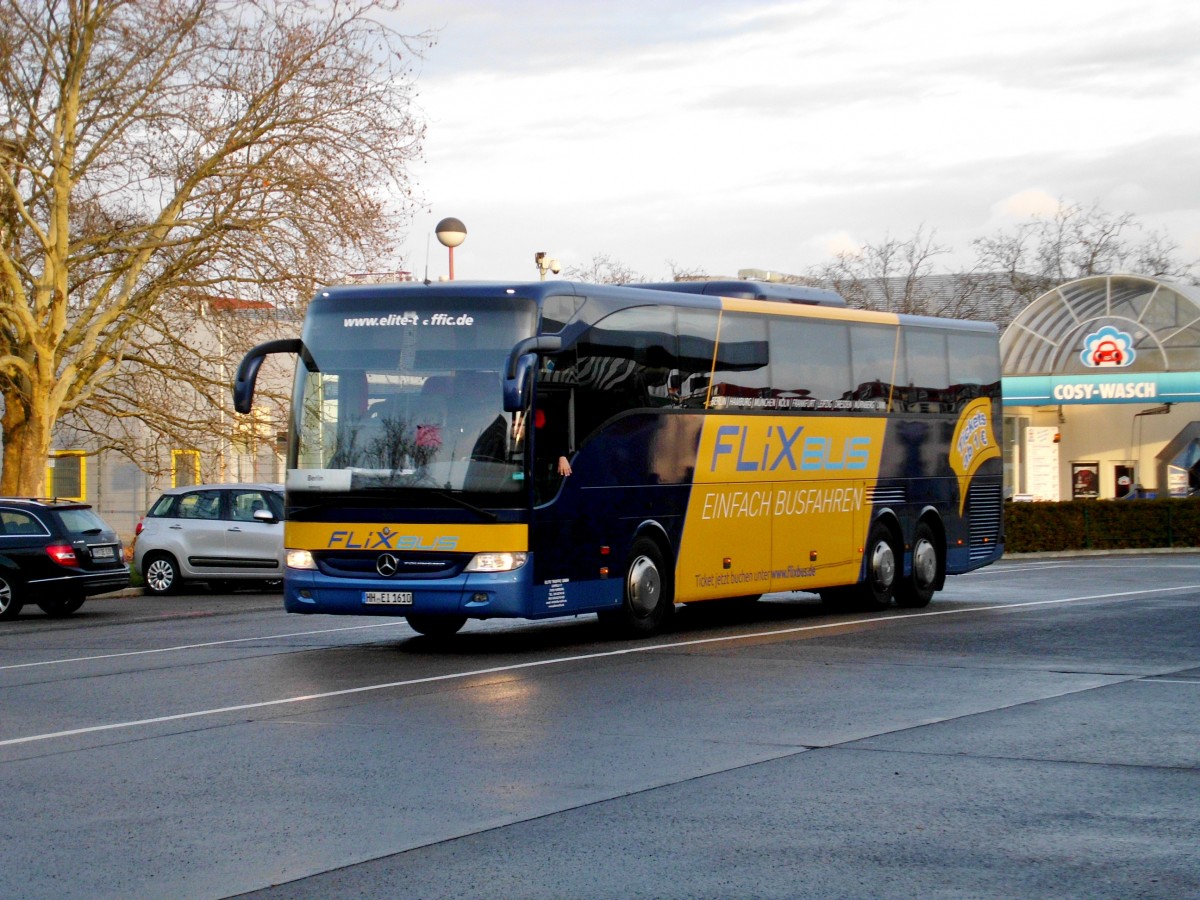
point(813, 372)
point(626, 361)
point(928, 371)
point(876, 366)
point(974, 365)
point(697, 330)
point(742, 372)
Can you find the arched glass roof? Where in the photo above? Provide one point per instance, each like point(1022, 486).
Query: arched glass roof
point(1158, 320)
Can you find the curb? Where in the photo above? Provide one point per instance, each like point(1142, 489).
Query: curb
point(1121, 551)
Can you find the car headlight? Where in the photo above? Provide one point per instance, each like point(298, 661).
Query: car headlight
point(300, 559)
point(496, 562)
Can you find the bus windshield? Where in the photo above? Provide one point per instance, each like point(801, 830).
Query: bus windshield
point(389, 397)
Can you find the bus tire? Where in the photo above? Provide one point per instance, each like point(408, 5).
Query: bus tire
point(915, 591)
point(648, 597)
point(883, 565)
point(436, 626)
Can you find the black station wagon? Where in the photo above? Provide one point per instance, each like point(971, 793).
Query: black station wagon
point(56, 554)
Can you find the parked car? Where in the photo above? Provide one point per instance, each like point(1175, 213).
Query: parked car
point(222, 534)
point(56, 553)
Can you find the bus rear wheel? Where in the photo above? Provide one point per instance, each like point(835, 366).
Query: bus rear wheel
point(883, 563)
point(436, 626)
point(915, 591)
point(648, 598)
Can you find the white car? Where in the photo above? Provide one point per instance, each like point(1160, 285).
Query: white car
point(222, 534)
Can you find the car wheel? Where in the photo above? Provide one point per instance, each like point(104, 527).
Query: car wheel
point(915, 591)
point(436, 626)
point(161, 574)
point(61, 607)
point(649, 597)
point(10, 601)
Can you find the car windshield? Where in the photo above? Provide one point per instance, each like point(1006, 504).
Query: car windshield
point(390, 397)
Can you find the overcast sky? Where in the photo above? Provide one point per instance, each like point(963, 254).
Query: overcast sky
point(717, 135)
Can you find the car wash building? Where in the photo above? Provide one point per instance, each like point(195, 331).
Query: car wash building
point(1102, 391)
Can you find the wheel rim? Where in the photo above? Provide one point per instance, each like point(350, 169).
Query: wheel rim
point(883, 565)
point(5, 596)
point(160, 575)
point(644, 585)
point(924, 563)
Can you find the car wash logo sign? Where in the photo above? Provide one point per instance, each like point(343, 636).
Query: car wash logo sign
point(1108, 348)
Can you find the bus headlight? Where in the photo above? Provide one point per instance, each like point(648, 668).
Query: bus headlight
point(496, 562)
point(300, 559)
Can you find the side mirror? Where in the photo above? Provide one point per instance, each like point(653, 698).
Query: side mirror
point(265, 515)
point(247, 372)
point(517, 388)
point(518, 374)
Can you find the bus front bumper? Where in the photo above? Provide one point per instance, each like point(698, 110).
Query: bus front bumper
point(475, 594)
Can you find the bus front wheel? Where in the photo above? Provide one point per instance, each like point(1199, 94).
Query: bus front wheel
point(915, 591)
point(436, 626)
point(648, 597)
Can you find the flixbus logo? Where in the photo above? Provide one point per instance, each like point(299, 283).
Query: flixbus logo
point(386, 539)
point(775, 447)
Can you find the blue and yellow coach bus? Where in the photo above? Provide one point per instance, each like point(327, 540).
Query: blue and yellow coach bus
point(462, 450)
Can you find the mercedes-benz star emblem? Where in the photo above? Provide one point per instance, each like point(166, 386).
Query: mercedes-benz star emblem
point(386, 565)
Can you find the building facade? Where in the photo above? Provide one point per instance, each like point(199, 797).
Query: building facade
point(1102, 391)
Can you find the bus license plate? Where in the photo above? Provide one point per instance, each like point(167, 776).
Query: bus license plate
point(388, 598)
point(105, 552)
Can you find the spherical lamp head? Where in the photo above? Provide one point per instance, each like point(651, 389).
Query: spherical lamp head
point(451, 232)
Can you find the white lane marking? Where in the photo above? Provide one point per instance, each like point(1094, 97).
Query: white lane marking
point(392, 623)
point(626, 651)
point(264, 637)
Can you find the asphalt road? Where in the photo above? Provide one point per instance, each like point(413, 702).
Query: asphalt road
point(1033, 733)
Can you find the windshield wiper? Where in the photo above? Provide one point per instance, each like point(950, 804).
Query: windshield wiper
point(484, 513)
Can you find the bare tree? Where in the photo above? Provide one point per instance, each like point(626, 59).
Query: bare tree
point(1011, 268)
point(683, 273)
point(889, 276)
point(1076, 241)
point(160, 151)
point(603, 269)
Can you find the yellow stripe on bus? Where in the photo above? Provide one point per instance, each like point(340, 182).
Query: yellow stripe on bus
point(398, 536)
point(841, 313)
point(779, 503)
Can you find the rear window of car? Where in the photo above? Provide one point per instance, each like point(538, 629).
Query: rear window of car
point(81, 521)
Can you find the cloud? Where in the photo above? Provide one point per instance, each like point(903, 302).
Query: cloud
point(728, 133)
point(1027, 203)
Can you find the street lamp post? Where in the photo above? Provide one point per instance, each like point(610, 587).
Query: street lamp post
point(450, 233)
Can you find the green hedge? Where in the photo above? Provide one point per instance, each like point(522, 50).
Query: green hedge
point(1101, 525)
